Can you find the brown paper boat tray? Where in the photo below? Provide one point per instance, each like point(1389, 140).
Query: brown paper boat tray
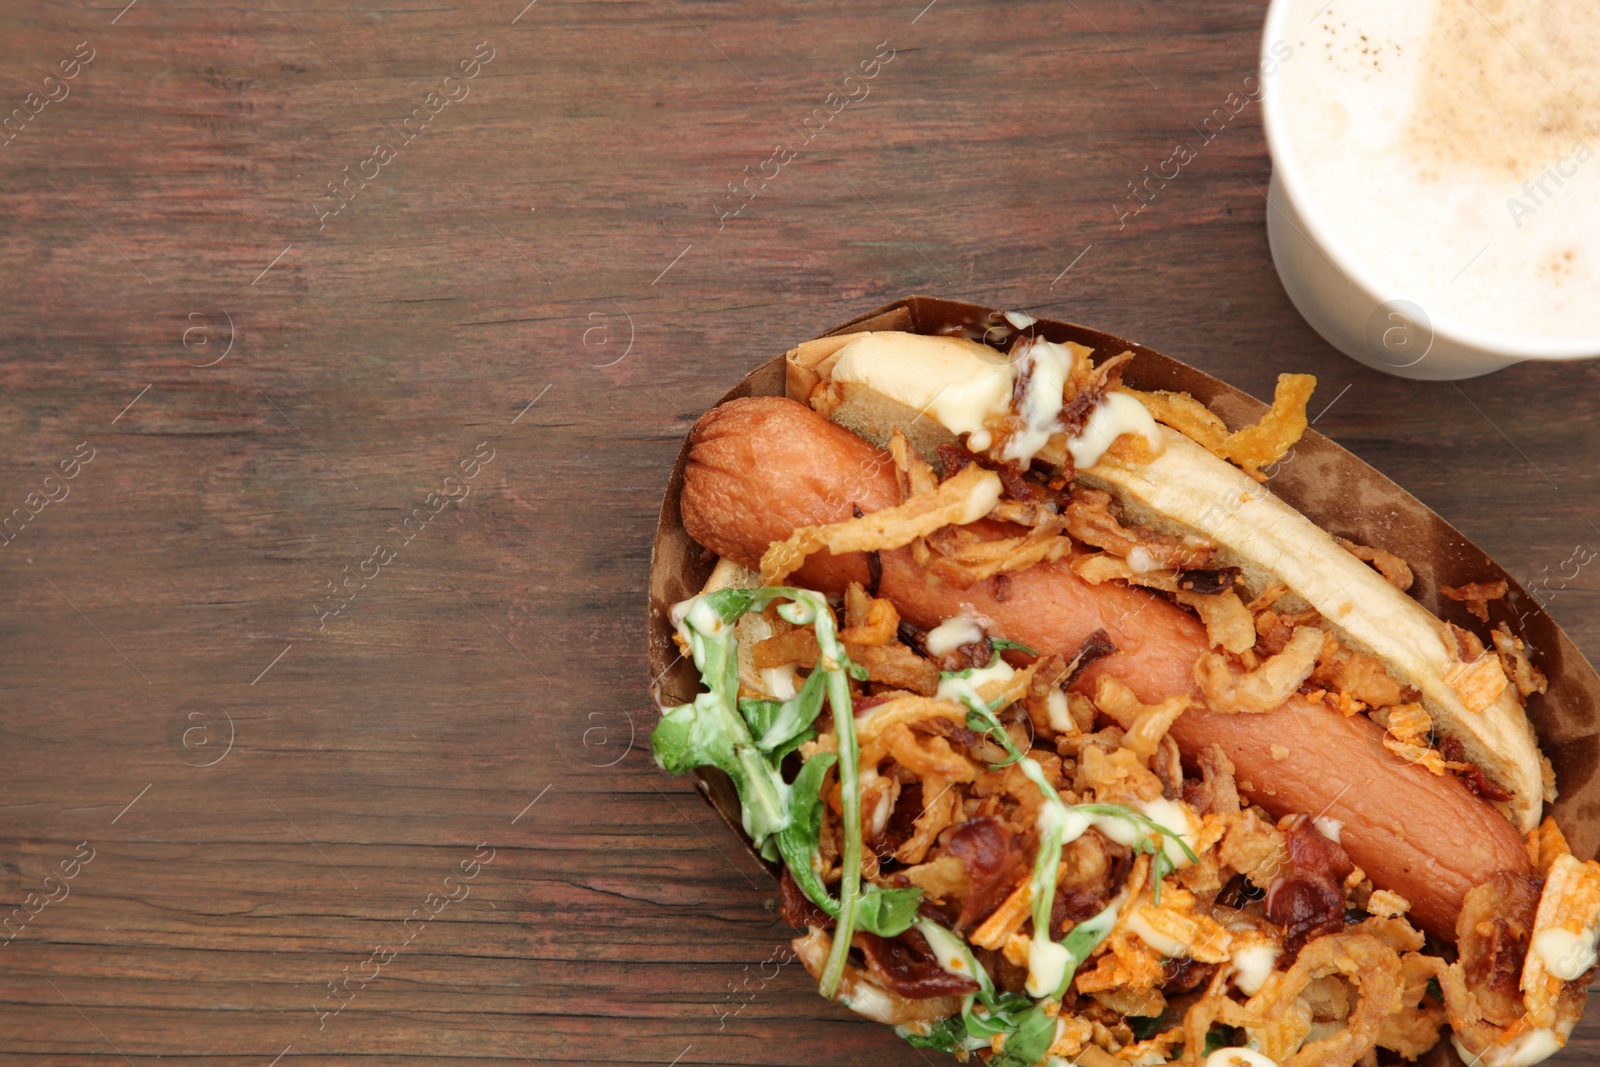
point(1328, 484)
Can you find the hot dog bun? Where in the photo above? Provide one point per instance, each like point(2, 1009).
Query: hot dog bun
point(936, 388)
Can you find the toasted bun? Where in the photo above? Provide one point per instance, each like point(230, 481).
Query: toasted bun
point(881, 380)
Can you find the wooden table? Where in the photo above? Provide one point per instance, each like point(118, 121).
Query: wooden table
point(524, 290)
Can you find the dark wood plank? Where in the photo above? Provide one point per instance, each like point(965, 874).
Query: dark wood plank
point(553, 236)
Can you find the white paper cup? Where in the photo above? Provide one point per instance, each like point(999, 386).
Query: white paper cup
point(1343, 298)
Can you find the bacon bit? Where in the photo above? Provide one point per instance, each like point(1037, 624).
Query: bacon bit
point(906, 965)
point(1185, 414)
point(887, 1006)
point(1089, 519)
point(1481, 784)
point(963, 499)
point(1107, 374)
point(1094, 647)
point(1396, 571)
point(1546, 845)
point(1308, 900)
point(1514, 658)
point(1269, 440)
point(1476, 595)
point(1265, 688)
point(993, 859)
point(1478, 683)
point(1209, 582)
point(795, 908)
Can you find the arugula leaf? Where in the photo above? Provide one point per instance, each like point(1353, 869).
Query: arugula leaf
point(710, 731)
point(946, 1035)
point(1144, 1027)
point(779, 754)
point(1215, 1039)
point(1002, 644)
point(888, 912)
point(1028, 1044)
point(776, 723)
point(798, 841)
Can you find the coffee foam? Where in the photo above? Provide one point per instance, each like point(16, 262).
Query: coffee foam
point(1452, 148)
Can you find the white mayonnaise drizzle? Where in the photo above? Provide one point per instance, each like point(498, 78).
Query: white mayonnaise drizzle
point(1116, 414)
point(965, 690)
point(1238, 1057)
point(1040, 408)
point(1565, 954)
point(779, 682)
point(951, 635)
point(1252, 965)
point(1061, 720)
point(1529, 1048)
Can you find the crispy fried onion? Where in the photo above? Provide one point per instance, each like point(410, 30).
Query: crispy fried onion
point(1269, 440)
point(964, 558)
point(1518, 666)
point(1097, 567)
point(1278, 1026)
point(965, 498)
point(1252, 447)
point(1264, 688)
point(1089, 519)
point(1476, 595)
point(1396, 571)
point(1357, 675)
point(1146, 724)
point(1229, 625)
point(870, 636)
point(1185, 414)
point(860, 993)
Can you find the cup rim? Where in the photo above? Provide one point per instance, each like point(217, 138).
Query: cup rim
point(1290, 173)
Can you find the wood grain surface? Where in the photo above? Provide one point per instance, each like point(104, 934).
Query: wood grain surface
point(447, 411)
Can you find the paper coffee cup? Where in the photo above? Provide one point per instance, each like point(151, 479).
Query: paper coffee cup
point(1434, 210)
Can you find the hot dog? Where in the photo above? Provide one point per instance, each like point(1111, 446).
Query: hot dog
point(762, 466)
point(1031, 734)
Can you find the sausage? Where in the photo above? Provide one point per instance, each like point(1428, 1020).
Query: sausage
point(760, 466)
